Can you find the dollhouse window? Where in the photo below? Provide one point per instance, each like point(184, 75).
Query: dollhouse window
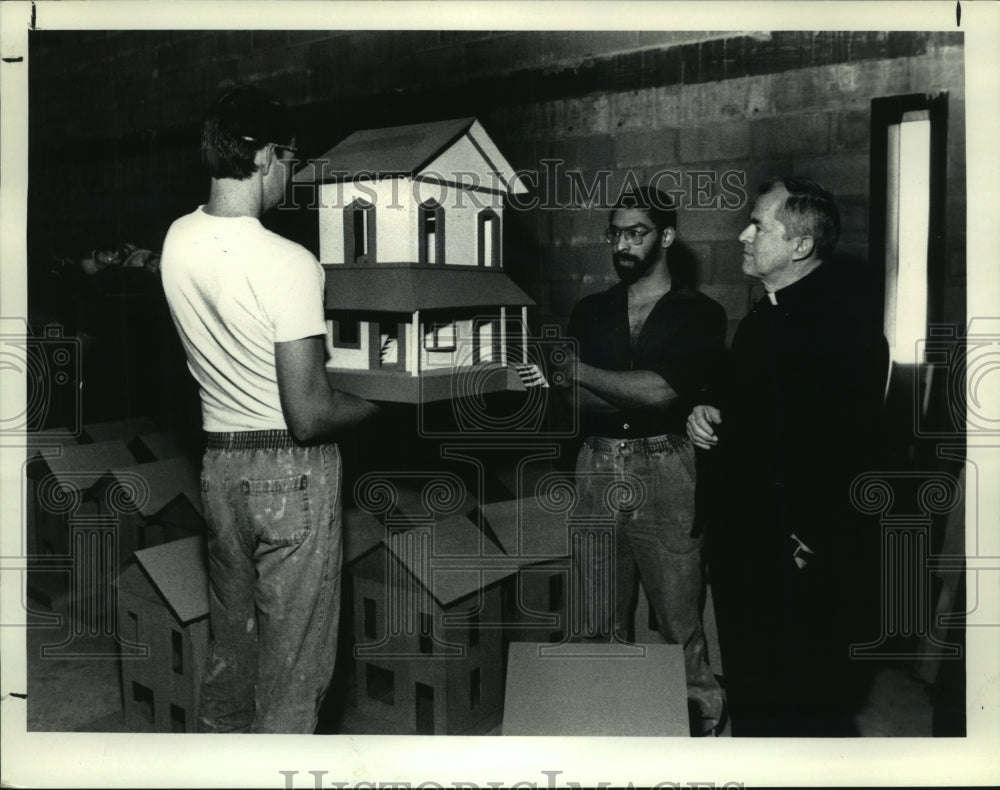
point(133, 627)
point(178, 718)
point(346, 332)
point(380, 684)
point(369, 618)
point(473, 628)
point(431, 232)
point(486, 341)
point(489, 238)
point(386, 341)
point(555, 592)
point(177, 651)
point(425, 709)
point(475, 688)
point(426, 634)
point(143, 698)
point(441, 337)
point(359, 232)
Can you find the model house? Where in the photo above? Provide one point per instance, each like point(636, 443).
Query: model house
point(536, 541)
point(427, 643)
point(410, 235)
point(155, 502)
point(67, 486)
point(163, 624)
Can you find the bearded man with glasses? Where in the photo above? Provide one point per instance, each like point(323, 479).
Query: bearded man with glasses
point(645, 349)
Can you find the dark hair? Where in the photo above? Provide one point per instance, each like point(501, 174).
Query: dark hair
point(242, 121)
point(660, 206)
point(809, 210)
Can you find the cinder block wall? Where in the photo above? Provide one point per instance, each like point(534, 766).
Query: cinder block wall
point(114, 121)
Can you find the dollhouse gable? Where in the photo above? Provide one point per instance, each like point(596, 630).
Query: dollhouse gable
point(163, 617)
point(429, 193)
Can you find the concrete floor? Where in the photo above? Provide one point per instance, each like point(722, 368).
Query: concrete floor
point(83, 693)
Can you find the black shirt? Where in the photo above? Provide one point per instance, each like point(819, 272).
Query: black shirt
point(681, 340)
point(801, 401)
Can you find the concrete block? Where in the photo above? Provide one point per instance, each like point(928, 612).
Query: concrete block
point(710, 225)
point(725, 140)
point(578, 227)
point(791, 134)
point(842, 174)
point(633, 110)
point(589, 115)
point(585, 154)
point(852, 130)
point(728, 261)
point(543, 693)
point(657, 147)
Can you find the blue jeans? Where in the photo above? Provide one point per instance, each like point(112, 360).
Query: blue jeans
point(274, 552)
point(653, 521)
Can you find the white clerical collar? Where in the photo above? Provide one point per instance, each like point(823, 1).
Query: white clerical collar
point(772, 297)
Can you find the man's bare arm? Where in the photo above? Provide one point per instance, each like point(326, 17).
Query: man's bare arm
point(312, 408)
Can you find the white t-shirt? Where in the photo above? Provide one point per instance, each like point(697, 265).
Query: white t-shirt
point(235, 289)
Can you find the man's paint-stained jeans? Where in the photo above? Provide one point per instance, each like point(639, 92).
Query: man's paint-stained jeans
point(274, 552)
point(653, 525)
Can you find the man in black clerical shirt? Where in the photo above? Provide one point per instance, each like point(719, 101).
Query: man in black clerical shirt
point(793, 422)
point(645, 348)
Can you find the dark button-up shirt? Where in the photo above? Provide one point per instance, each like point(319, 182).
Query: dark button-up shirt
point(681, 340)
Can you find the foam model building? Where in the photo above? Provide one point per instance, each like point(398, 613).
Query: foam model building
point(410, 236)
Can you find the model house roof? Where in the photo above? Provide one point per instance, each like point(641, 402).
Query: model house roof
point(178, 571)
point(406, 288)
point(457, 563)
point(165, 481)
point(423, 150)
point(83, 465)
point(527, 530)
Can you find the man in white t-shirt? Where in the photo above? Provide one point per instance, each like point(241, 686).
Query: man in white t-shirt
point(248, 305)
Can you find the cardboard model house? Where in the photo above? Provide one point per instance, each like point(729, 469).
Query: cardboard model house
point(160, 502)
point(428, 643)
point(67, 485)
point(163, 620)
point(410, 235)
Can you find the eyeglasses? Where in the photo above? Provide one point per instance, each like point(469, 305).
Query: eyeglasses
point(633, 236)
point(290, 148)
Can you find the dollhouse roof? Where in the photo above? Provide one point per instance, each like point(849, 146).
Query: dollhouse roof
point(165, 480)
point(526, 530)
point(459, 563)
point(388, 288)
point(421, 150)
point(179, 572)
point(74, 464)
